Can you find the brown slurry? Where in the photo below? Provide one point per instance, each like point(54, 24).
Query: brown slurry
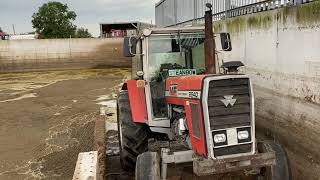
point(41, 135)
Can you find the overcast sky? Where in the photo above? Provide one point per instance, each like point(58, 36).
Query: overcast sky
point(89, 12)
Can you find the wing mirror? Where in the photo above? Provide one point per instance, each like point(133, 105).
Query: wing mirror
point(130, 46)
point(225, 41)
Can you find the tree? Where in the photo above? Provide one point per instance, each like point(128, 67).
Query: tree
point(1, 30)
point(54, 20)
point(83, 33)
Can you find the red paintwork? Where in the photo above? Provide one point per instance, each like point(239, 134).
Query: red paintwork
point(137, 101)
point(189, 83)
point(193, 83)
point(183, 83)
point(198, 144)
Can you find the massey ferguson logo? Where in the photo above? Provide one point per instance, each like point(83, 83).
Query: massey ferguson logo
point(173, 89)
point(228, 100)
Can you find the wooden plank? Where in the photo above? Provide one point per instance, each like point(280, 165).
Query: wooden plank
point(86, 167)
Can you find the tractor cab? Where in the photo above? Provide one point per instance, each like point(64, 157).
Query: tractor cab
point(165, 53)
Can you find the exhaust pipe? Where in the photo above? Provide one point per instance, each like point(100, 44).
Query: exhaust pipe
point(209, 43)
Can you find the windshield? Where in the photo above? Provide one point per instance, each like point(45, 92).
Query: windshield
point(176, 51)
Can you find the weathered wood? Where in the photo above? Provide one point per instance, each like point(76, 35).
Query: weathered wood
point(100, 145)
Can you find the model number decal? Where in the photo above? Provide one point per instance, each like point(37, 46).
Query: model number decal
point(194, 94)
point(185, 94)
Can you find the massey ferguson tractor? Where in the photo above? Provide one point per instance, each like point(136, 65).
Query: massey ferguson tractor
point(184, 108)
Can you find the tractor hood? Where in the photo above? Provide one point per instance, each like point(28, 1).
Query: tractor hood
point(190, 87)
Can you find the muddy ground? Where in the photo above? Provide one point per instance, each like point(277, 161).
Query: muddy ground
point(47, 118)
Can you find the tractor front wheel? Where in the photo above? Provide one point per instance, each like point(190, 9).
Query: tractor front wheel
point(281, 170)
point(133, 137)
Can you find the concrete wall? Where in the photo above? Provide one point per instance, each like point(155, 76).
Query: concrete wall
point(281, 51)
point(45, 54)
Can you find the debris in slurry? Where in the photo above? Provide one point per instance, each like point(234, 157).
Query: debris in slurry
point(103, 110)
point(109, 103)
point(111, 126)
point(31, 95)
point(103, 97)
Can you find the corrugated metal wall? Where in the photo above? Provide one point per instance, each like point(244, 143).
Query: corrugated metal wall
point(171, 12)
point(159, 15)
point(165, 13)
point(183, 12)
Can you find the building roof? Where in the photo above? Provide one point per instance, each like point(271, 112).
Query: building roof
point(3, 34)
point(160, 1)
point(124, 22)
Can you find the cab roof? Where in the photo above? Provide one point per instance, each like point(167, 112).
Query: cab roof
point(177, 29)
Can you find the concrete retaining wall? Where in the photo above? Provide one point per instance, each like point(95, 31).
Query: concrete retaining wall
point(47, 54)
point(281, 51)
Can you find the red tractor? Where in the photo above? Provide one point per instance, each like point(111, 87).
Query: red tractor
point(181, 109)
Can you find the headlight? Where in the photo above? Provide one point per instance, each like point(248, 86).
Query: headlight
point(243, 135)
point(219, 138)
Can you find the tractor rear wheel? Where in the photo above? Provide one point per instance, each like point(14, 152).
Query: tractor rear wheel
point(133, 137)
point(281, 170)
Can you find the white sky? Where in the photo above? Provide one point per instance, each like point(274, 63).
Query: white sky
point(89, 12)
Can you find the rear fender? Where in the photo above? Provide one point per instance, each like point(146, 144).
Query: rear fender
point(137, 101)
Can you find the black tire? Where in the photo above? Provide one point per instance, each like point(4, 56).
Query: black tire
point(148, 166)
point(281, 170)
point(133, 137)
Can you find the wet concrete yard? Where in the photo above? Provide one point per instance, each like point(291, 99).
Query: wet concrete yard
point(47, 118)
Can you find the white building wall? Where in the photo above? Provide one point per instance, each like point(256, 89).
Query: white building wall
point(280, 50)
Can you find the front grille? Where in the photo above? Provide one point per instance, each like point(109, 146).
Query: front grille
point(229, 107)
point(222, 117)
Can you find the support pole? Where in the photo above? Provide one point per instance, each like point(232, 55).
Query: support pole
point(209, 44)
